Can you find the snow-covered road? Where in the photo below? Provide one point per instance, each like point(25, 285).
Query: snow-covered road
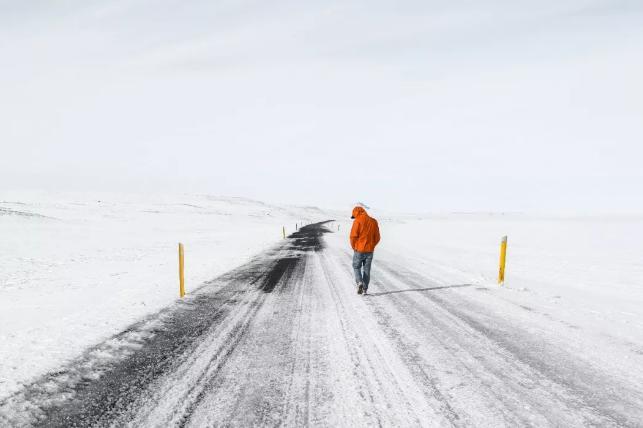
point(285, 340)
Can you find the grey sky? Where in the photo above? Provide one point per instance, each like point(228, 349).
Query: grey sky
point(413, 106)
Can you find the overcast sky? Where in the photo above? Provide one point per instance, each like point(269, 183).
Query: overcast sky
point(500, 105)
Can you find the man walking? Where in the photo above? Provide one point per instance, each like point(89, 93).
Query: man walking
point(365, 235)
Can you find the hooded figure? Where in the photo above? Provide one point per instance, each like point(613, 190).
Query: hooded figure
point(365, 235)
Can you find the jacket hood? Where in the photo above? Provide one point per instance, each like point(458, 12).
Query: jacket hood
point(357, 211)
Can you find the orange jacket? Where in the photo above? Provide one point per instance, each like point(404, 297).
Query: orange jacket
point(365, 233)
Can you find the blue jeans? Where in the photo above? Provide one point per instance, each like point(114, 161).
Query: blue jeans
point(362, 260)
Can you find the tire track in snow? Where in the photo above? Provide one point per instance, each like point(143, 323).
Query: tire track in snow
point(419, 336)
point(244, 388)
point(608, 399)
point(268, 379)
point(534, 374)
point(378, 374)
point(298, 393)
point(403, 349)
point(116, 379)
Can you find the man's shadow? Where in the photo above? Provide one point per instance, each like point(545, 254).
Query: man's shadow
point(420, 289)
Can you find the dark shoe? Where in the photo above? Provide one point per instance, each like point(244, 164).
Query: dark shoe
point(365, 291)
point(360, 288)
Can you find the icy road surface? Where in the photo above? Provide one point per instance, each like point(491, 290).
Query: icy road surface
point(285, 340)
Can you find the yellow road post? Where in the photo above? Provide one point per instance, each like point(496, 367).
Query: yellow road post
point(181, 271)
point(503, 259)
point(283, 231)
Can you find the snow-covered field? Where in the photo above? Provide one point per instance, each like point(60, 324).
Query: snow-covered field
point(78, 268)
point(565, 329)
